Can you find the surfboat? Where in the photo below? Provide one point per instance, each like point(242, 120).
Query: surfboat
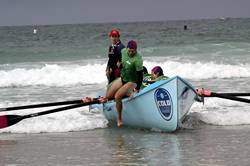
point(162, 105)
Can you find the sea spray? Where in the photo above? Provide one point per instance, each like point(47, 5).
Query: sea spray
point(68, 75)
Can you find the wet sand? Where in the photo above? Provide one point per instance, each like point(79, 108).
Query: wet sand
point(204, 145)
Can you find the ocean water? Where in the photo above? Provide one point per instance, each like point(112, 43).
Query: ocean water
point(67, 62)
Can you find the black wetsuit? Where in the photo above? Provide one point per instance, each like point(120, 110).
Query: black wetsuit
point(114, 57)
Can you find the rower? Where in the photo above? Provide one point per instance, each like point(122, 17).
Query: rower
point(156, 75)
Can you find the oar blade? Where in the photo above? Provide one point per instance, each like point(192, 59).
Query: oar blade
point(9, 120)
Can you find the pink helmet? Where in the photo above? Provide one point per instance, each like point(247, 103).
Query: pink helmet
point(157, 69)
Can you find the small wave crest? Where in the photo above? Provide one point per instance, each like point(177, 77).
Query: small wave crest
point(221, 112)
point(53, 75)
point(72, 120)
point(200, 70)
point(68, 75)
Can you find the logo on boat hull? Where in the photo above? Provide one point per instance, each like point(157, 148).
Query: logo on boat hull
point(164, 103)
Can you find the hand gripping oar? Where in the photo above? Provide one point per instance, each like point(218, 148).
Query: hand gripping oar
point(41, 105)
point(9, 120)
point(229, 96)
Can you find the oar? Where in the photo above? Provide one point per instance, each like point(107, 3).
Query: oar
point(41, 105)
point(234, 94)
point(9, 120)
point(213, 94)
point(230, 96)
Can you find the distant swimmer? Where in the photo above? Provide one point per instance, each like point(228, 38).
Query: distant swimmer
point(185, 27)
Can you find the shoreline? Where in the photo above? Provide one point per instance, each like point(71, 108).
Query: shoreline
point(203, 145)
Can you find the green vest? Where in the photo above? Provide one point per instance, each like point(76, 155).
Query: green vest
point(148, 78)
point(161, 78)
point(130, 65)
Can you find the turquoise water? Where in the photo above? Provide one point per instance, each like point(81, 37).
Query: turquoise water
point(67, 62)
point(64, 62)
point(89, 41)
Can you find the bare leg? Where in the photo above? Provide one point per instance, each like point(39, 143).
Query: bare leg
point(114, 88)
point(119, 111)
point(123, 91)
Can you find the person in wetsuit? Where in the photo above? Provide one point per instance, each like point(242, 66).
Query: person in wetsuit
point(156, 75)
point(114, 55)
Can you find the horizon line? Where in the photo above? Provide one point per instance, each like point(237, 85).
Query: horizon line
point(127, 22)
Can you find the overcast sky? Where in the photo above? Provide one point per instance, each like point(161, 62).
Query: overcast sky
point(32, 12)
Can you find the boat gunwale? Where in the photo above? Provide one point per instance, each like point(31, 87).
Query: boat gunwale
point(156, 85)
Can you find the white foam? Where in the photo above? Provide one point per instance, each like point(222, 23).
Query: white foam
point(200, 70)
point(222, 112)
point(54, 75)
point(68, 75)
point(70, 120)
